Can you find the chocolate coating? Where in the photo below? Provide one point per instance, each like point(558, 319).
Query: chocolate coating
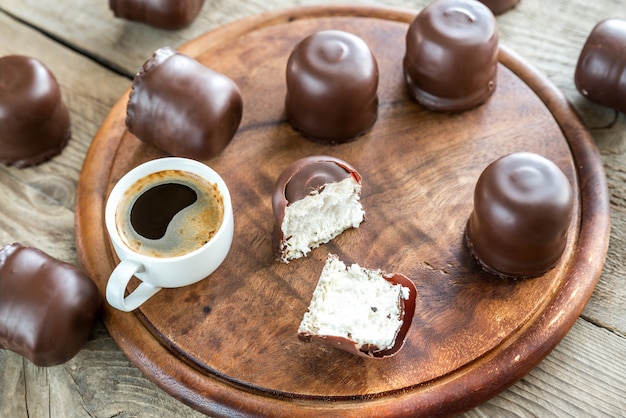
point(302, 177)
point(601, 69)
point(163, 14)
point(332, 82)
point(311, 177)
point(523, 206)
point(183, 107)
point(498, 7)
point(47, 307)
point(451, 55)
point(34, 122)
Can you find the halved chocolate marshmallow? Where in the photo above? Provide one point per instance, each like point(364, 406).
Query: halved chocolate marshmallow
point(315, 199)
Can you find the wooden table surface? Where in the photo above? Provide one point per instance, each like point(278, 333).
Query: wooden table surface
point(94, 57)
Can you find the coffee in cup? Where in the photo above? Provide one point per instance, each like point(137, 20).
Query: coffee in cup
point(170, 222)
point(169, 213)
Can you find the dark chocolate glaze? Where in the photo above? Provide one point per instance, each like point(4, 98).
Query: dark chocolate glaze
point(35, 124)
point(498, 7)
point(47, 307)
point(163, 14)
point(407, 312)
point(522, 211)
point(183, 107)
point(312, 177)
point(451, 55)
point(601, 70)
point(299, 179)
point(332, 82)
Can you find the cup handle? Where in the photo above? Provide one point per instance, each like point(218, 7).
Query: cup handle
point(117, 283)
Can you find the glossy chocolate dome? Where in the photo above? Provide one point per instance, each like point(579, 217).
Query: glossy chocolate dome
point(601, 69)
point(35, 124)
point(522, 211)
point(451, 55)
point(332, 82)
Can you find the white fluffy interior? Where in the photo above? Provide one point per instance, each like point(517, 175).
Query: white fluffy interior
point(320, 217)
point(355, 303)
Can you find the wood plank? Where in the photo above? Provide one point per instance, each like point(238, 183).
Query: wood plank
point(125, 46)
point(576, 380)
point(607, 307)
point(99, 381)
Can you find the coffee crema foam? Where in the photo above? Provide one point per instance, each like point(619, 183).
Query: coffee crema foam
point(169, 213)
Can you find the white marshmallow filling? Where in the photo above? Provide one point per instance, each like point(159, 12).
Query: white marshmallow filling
point(355, 303)
point(320, 217)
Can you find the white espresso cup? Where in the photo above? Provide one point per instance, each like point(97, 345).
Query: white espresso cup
point(154, 270)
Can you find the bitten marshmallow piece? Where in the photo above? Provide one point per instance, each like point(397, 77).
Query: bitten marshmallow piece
point(363, 311)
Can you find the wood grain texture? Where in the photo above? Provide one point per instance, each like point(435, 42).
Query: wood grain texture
point(468, 329)
point(547, 34)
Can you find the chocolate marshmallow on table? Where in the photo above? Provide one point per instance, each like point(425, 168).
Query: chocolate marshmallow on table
point(47, 307)
point(163, 14)
point(498, 7)
point(34, 121)
point(601, 69)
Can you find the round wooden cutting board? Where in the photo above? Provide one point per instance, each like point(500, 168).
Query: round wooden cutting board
point(228, 345)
